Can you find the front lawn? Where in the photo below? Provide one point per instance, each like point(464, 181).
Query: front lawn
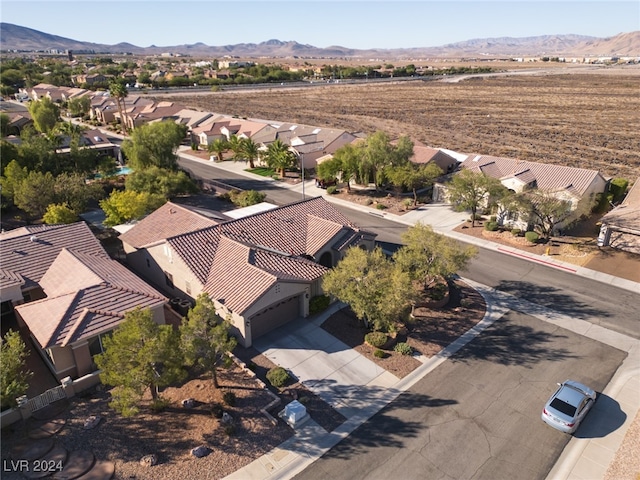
point(263, 171)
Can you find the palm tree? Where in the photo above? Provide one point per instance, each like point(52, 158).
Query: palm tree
point(235, 145)
point(118, 91)
point(250, 151)
point(218, 146)
point(279, 157)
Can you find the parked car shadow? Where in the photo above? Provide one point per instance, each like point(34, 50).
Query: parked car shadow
point(605, 417)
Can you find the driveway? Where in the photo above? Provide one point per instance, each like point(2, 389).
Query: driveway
point(338, 374)
point(478, 415)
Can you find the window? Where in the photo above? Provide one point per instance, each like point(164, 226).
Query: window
point(96, 346)
point(187, 287)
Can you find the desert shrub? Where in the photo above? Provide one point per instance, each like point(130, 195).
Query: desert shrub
point(491, 226)
point(217, 410)
point(516, 232)
point(381, 206)
point(493, 218)
point(244, 199)
point(376, 339)
point(230, 429)
point(318, 304)
point(332, 190)
point(278, 376)
point(403, 348)
point(618, 187)
point(368, 201)
point(159, 404)
point(380, 353)
point(531, 236)
point(229, 398)
point(407, 202)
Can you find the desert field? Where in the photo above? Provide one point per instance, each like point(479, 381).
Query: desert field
point(585, 119)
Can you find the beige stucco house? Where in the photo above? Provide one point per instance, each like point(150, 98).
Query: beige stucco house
point(68, 293)
point(260, 270)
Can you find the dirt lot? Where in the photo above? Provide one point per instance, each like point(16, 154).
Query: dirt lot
point(585, 120)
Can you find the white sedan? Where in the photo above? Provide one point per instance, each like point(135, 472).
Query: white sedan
point(568, 406)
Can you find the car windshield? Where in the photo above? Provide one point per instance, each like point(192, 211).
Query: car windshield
point(563, 407)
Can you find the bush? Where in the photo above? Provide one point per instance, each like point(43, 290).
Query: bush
point(381, 206)
point(368, 201)
point(332, 190)
point(407, 202)
point(246, 198)
point(380, 353)
point(217, 410)
point(516, 232)
point(491, 226)
point(618, 187)
point(376, 339)
point(159, 404)
point(531, 236)
point(318, 304)
point(230, 429)
point(229, 398)
point(403, 348)
point(493, 218)
point(278, 377)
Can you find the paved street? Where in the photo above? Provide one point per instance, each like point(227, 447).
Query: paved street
point(477, 415)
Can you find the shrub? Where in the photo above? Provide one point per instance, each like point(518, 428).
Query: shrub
point(381, 206)
point(230, 429)
point(407, 202)
point(380, 353)
point(229, 398)
point(368, 201)
point(618, 187)
point(531, 236)
point(493, 218)
point(332, 190)
point(403, 348)
point(376, 339)
point(318, 304)
point(217, 410)
point(278, 377)
point(159, 404)
point(516, 232)
point(491, 226)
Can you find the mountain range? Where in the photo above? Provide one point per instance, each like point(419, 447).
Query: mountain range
point(18, 38)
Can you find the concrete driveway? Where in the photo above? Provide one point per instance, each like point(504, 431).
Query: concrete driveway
point(478, 415)
point(331, 369)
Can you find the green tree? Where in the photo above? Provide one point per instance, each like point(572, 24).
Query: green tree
point(4, 124)
point(14, 378)
point(35, 193)
point(160, 181)
point(279, 157)
point(45, 114)
point(38, 152)
point(118, 91)
point(250, 151)
point(12, 178)
point(154, 144)
point(371, 285)
point(218, 146)
point(428, 255)
point(468, 190)
point(59, 213)
point(345, 164)
point(122, 207)
point(414, 177)
point(72, 190)
point(204, 337)
point(139, 355)
point(79, 106)
point(379, 155)
point(544, 210)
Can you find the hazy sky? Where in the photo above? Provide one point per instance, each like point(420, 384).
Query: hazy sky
point(357, 24)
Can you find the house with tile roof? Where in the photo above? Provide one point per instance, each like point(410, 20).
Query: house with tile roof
point(260, 270)
point(620, 227)
point(577, 187)
point(68, 293)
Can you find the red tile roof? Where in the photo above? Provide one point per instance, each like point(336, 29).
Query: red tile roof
point(30, 251)
point(86, 295)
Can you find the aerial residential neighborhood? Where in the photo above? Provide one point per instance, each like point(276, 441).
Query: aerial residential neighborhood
point(254, 297)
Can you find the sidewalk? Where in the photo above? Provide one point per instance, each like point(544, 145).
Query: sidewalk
point(582, 459)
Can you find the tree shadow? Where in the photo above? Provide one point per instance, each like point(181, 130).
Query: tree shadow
point(508, 343)
point(385, 428)
point(551, 297)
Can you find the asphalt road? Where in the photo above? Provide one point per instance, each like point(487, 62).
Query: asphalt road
point(570, 294)
point(478, 414)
